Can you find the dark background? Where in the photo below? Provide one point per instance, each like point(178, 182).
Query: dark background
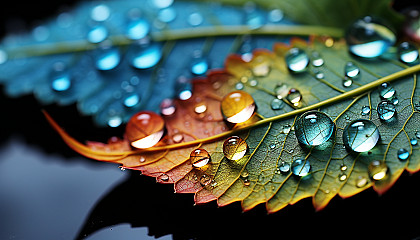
point(139, 201)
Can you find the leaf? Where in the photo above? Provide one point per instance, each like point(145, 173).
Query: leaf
point(270, 134)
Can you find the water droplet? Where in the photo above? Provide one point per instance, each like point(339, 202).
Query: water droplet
point(343, 167)
point(131, 100)
point(60, 78)
point(234, 148)
point(100, 13)
point(386, 110)
point(347, 82)
point(200, 108)
point(342, 177)
point(284, 167)
point(167, 107)
point(275, 15)
point(247, 182)
point(177, 137)
point(199, 158)
point(413, 142)
point(418, 134)
point(107, 58)
point(294, 97)
point(377, 170)
point(286, 129)
point(277, 104)
point(314, 128)
point(163, 178)
point(145, 56)
point(97, 34)
point(301, 167)
point(394, 100)
point(114, 121)
point(244, 173)
point(195, 19)
point(317, 60)
point(297, 60)
point(262, 67)
point(167, 15)
point(408, 53)
point(368, 37)
point(281, 90)
point(41, 33)
point(144, 129)
point(137, 29)
point(199, 66)
point(351, 70)
point(403, 154)
point(254, 19)
point(3, 56)
point(238, 107)
point(360, 135)
point(361, 181)
point(386, 91)
point(365, 110)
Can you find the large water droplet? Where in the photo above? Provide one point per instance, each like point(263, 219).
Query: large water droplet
point(403, 154)
point(294, 97)
point(234, 148)
point(301, 167)
point(377, 170)
point(97, 34)
point(107, 58)
point(386, 91)
point(297, 60)
point(351, 70)
point(386, 110)
point(314, 128)
point(360, 135)
point(137, 29)
point(368, 37)
point(145, 56)
point(238, 107)
point(408, 53)
point(199, 158)
point(144, 129)
point(60, 77)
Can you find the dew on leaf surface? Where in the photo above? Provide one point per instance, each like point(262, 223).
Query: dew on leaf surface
point(365, 110)
point(361, 181)
point(314, 128)
point(403, 154)
point(144, 129)
point(377, 170)
point(234, 148)
point(297, 60)
point(351, 70)
point(408, 53)
point(238, 107)
point(294, 97)
point(137, 29)
point(386, 91)
point(199, 158)
point(145, 56)
point(301, 167)
point(276, 104)
point(360, 135)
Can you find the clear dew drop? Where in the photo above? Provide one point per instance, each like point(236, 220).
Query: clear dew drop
point(284, 167)
point(317, 60)
point(195, 19)
point(234, 148)
point(275, 15)
point(167, 107)
point(361, 181)
point(347, 82)
point(386, 91)
point(60, 77)
point(386, 110)
point(247, 182)
point(114, 121)
point(97, 34)
point(294, 97)
point(360, 135)
point(343, 167)
point(408, 53)
point(365, 110)
point(199, 66)
point(413, 141)
point(244, 174)
point(131, 100)
point(277, 104)
point(239, 86)
point(167, 15)
point(351, 70)
point(100, 13)
point(238, 107)
point(342, 177)
point(137, 29)
point(297, 60)
point(281, 90)
point(301, 167)
point(144, 129)
point(314, 128)
point(377, 170)
point(199, 158)
point(3, 56)
point(177, 137)
point(145, 56)
point(369, 38)
point(403, 154)
point(107, 58)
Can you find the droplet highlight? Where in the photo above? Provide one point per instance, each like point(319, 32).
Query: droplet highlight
point(360, 135)
point(386, 91)
point(297, 60)
point(294, 97)
point(386, 110)
point(314, 128)
point(199, 158)
point(145, 56)
point(408, 53)
point(301, 167)
point(144, 129)
point(238, 107)
point(403, 154)
point(377, 170)
point(234, 148)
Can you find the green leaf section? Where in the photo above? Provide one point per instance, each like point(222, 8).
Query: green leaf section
point(335, 170)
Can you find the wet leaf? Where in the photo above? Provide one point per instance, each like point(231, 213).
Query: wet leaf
point(275, 168)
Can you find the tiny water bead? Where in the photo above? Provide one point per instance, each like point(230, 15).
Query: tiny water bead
point(199, 158)
point(347, 82)
point(361, 181)
point(403, 154)
point(60, 78)
point(238, 107)
point(301, 167)
point(107, 58)
point(386, 110)
point(314, 128)
point(145, 56)
point(234, 148)
point(365, 110)
point(317, 60)
point(377, 170)
point(297, 60)
point(408, 53)
point(277, 104)
point(386, 91)
point(167, 107)
point(145, 129)
point(199, 66)
point(413, 141)
point(284, 167)
point(294, 97)
point(369, 38)
point(137, 29)
point(351, 70)
point(360, 135)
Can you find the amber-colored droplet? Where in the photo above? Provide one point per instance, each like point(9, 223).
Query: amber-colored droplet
point(238, 107)
point(234, 148)
point(377, 170)
point(199, 158)
point(145, 129)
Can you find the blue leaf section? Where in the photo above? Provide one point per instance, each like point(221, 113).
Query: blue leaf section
point(116, 67)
